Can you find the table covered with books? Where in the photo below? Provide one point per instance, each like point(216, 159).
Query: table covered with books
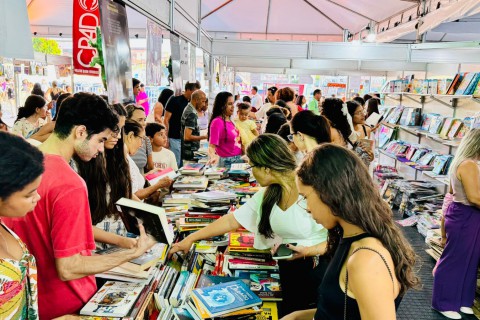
point(221, 277)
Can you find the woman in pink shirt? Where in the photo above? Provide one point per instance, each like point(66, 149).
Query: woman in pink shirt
point(225, 146)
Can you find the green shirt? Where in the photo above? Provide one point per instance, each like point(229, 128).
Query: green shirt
point(313, 106)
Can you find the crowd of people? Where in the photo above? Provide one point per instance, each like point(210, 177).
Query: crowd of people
point(57, 200)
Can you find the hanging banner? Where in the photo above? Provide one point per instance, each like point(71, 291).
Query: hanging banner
point(86, 19)
point(15, 34)
point(177, 77)
point(193, 63)
point(154, 54)
point(116, 52)
point(207, 74)
point(184, 59)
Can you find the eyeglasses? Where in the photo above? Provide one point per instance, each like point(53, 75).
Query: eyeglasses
point(302, 202)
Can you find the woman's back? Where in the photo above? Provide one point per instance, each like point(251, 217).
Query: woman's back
point(459, 194)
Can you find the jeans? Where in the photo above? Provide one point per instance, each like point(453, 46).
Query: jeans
point(176, 148)
point(227, 162)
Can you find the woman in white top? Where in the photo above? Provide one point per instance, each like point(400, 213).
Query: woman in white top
point(30, 116)
point(134, 135)
point(274, 216)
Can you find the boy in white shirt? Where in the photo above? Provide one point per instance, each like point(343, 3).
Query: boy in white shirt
point(162, 157)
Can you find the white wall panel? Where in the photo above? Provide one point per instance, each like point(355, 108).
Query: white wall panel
point(191, 8)
point(153, 9)
point(258, 63)
point(185, 27)
point(364, 51)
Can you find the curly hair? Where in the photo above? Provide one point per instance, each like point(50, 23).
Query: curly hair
point(343, 183)
point(332, 110)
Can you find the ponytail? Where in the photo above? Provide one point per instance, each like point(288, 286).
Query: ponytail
point(272, 196)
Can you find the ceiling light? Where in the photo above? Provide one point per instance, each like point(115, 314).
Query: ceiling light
point(371, 37)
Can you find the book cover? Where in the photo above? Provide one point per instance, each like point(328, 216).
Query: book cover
point(446, 127)
point(241, 239)
point(153, 219)
point(154, 177)
point(473, 84)
point(427, 158)
point(455, 83)
point(455, 128)
point(114, 299)
point(476, 90)
point(264, 283)
point(206, 280)
point(436, 125)
point(468, 77)
point(191, 182)
point(269, 311)
point(226, 297)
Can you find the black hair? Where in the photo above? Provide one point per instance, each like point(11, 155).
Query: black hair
point(316, 91)
point(133, 126)
point(255, 88)
point(246, 99)
point(372, 106)
point(359, 100)
point(284, 132)
point(153, 128)
point(21, 164)
point(60, 100)
point(366, 97)
point(131, 109)
point(309, 123)
point(332, 110)
point(270, 151)
point(37, 89)
point(281, 104)
point(219, 107)
point(192, 86)
point(119, 109)
point(243, 106)
point(31, 105)
point(352, 107)
point(299, 100)
point(273, 90)
point(164, 96)
point(135, 82)
point(86, 109)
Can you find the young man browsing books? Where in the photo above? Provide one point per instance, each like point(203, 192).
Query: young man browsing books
point(59, 230)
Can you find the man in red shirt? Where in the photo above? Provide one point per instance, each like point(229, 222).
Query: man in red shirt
point(59, 230)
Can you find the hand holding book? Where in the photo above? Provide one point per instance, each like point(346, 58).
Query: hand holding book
point(144, 242)
point(164, 183)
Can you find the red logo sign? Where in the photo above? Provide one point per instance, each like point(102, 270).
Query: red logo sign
point(86, 18)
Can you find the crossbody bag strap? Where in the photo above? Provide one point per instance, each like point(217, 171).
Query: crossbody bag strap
point(346, 275)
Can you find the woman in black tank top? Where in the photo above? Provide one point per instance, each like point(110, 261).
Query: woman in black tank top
point(372, 263)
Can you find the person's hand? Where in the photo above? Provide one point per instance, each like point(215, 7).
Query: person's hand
point(68, 317)
point(144, 243)
point(183, 246)
point(299, 251)
point(205, 137)
point(290, 316)
point(152, 171)
point(443, 242)
point(127, 243)
point(164, 183)
point(214, 159)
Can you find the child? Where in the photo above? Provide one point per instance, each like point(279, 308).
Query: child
point(162, 157)
point(246, 127)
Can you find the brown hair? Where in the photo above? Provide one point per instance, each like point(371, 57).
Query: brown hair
point(286, 94)
point(342, 182)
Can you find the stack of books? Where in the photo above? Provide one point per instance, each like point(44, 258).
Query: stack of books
point(193, 169)
point(198, 183)
point(215, 173)
point(243, 256)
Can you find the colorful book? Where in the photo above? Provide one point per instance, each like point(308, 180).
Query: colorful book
point(225, 298)
point(467, 79)
point(473, 84)
point(114, 299)
point(446, 127)
point(153, 218)
point(154, 177)
point(436, 125)
point(264, 283)
point(455, 83)
point(455, 128)
point(443, 85)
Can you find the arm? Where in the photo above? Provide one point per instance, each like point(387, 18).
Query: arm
point(148, 191)
point(158, 112)
point(187, 135)
point(468, 173)
point(166, 119)
point(78, 266)
point(371, 285)
point(112, 238)
point(44, 132)
point(302, 252)
point(212, 154)
point(221, 226)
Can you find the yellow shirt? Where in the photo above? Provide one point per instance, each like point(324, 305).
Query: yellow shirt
point(245, 128)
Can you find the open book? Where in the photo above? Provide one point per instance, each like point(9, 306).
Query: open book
point(153, 218)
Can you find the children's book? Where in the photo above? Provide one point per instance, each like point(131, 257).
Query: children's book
point(473, 84)
point(467, 79)
point(153, 218)
point(447, 124)
point(114, 299)
point(436, 125)
point(455, 83)
point(443, 85)
point(455, 128)
point(224, 298)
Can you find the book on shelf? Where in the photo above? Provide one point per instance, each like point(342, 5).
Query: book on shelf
point(114, 299)
point(153, 218)
point(436, 124)
point(191, 182)
point(447, 124)
point(465, 83)
point(454, 128)
point(443, 85)
point(225, 298)
point(473, 84)
point(373, 119)
point(455, 83)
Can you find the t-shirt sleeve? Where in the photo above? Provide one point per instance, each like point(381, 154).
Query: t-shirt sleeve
point(248, 214)
point(190, 121)
point(170, 104)
point(71, 225)
point(252, 125)
point(149, 146)
point(215, 130)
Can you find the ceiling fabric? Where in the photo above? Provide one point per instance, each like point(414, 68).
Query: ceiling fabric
point(451, 12)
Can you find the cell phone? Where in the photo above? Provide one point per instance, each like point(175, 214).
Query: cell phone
point(283, 252)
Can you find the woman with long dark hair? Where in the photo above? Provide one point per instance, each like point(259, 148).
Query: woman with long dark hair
point(225, 147)
point(309, 130)
point(159, 108)
point(274, 215)
point(30, 116)
point(37, 89)
point(20, 175)
point(372, 263)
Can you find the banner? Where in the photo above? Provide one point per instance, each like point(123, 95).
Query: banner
point(184, 59)
point(116, 52)
point(177, 78)
point(15, 34)
point(154, 54)
point(86, 19)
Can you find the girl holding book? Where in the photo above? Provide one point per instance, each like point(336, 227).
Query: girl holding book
point(275, 216)
point(456, 272)
point(372, 262)
point(20, 175)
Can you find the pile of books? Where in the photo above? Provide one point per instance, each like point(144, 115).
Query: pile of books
point(192, 169)
point(195, 183)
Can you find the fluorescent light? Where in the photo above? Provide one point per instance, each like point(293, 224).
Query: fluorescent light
point(371, 37)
